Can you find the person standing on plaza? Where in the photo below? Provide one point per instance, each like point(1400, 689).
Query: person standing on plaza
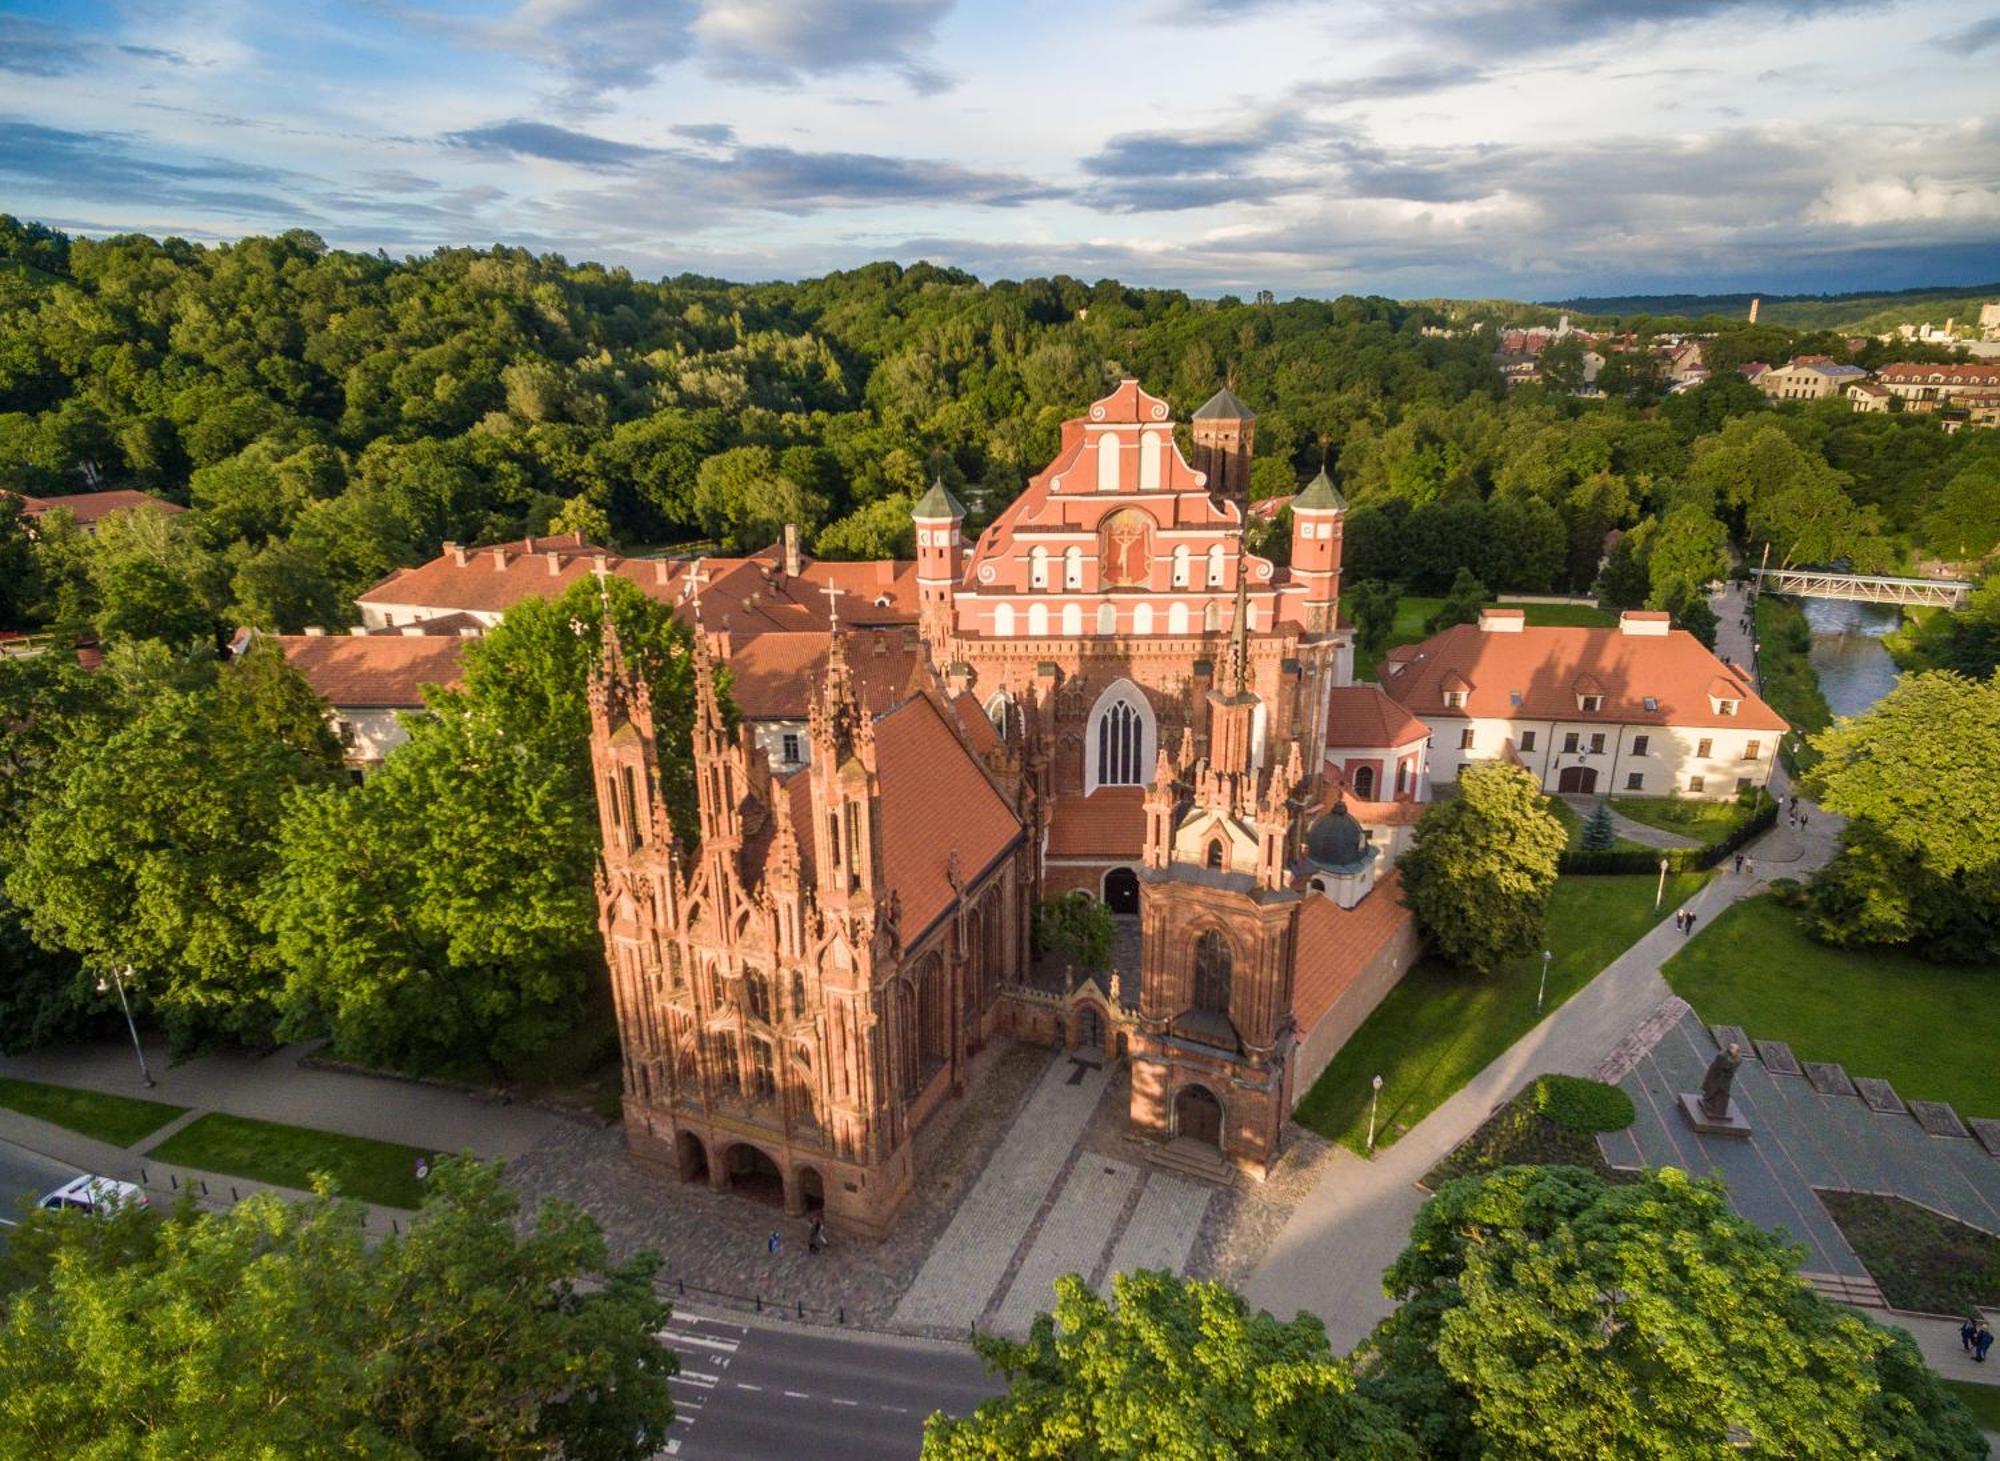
point(776, 1244)
point(1982, 1342)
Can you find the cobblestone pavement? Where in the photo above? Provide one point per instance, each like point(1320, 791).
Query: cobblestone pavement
point(716, 1240)
point(1072, 1238)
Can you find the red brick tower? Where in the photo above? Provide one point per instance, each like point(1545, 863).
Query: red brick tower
point(1316, 523)
point(938, 516)
point(1223, 432)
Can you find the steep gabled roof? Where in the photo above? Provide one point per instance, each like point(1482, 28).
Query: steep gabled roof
point(1223, 406)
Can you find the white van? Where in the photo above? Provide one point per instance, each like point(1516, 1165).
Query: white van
point(96, 1195)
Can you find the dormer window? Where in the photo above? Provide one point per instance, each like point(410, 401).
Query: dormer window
point(1651, 702)
point(1454, 700)
point(1514, 698)
point(1725, 707)
point(1589, 702)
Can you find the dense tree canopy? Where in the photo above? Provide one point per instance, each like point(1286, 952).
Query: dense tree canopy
point(1918, 777)
point(281, 1329)
point(1548, 1313)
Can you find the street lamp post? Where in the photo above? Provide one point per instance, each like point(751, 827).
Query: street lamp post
point(1374, 1098)
point(1660, 892)
point(118, 977)
point(1542, 991)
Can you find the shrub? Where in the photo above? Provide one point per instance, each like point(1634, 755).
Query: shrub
point(1076, 927)
point(1583, 1105)
point(1789, 891)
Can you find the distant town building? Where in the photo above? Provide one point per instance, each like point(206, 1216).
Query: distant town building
point(371, 681)
point(1925, 387)
point(1808, 378)
point(90, 508)
point(1869, 395)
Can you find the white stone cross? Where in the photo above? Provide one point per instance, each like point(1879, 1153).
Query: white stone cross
point(691, 585)
point(833, 591)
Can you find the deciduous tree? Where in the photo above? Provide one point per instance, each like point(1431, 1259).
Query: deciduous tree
point(1479, 872)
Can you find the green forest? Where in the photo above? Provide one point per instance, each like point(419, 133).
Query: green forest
point(329, 416)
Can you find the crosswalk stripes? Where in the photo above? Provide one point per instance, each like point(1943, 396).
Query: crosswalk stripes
point(714, 1348)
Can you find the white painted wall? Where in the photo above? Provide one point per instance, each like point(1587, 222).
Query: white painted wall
point(1668, 766)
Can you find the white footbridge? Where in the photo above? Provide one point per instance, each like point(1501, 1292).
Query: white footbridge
point(1814, 583)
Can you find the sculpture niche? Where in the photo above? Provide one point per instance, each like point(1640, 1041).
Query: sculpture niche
point(1714, 1112)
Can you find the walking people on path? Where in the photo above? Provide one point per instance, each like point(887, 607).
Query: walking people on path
point(1982, 1342)
point(1688, 927)
point(1739, 862)
point(1967, 1332)
point(816, 1238)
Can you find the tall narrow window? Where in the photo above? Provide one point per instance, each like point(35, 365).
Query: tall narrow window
point(632, 835)
point(1211, 973)
point(1215, 566)
point(1038, 568)
point(1003, 621)
point(1181, 566)
point(1072, 568)
point(1214, 858)
point(1107, 619)
point(1149, 462)
point(763, 1078)
point(1118, 741)
point(798, 995)
point(1142, 619)
point(1038, 620)
point(1072, 621)
point(1177, 618)
point(1107, 462)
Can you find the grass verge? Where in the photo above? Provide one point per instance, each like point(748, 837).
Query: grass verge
point(120, 1120)
point(1982, 1400)
point(1706, 822)
point(289, 1156)
point(1877, 1012)
point(1524, 1133)
point(1573, 824)
point(1790, 684)
point(1923, 1260)
point(1441, 1026)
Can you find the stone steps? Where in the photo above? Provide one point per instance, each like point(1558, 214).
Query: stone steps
point(1194, 1159)
point(1844, 1288)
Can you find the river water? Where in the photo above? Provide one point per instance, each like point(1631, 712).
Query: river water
point(1854, 669)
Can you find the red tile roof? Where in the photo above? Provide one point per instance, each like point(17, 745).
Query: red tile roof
point(935, 801)
point(1335, 944)
point(1110, 822)
point(373, 671)
point(978, 729)
point(1905, 374)
point(1545, 666)
point(774, 676)
point(89, 508)
point(1362, 716)
point(744, 595)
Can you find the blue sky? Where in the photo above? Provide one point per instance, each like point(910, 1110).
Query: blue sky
point(1534, 148)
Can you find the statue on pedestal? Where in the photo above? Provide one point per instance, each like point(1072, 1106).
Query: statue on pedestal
point(1715, 1084)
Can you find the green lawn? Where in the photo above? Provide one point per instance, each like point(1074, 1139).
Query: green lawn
point(1982, 1400)
point(1924, 1261)
point(1567, 815)
point(288, 1156)
point(1930, 1030)
point(1442, 1026)
point(120, 1120)
point(1706, 822)
point(1790, 684)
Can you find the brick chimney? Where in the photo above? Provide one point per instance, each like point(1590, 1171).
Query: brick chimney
point(457, 551)
point(499, 560)
point(315, 631)
point(791, 550)
point(660, 574)
point(555, 563)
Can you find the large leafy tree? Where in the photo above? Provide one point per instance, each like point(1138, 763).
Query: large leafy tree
point(1167, 1369)
point(145, 843)
point(442, 910)
point(1479, 872)
point(1548, 1313)
point(279, 1329)
point(1918, 777)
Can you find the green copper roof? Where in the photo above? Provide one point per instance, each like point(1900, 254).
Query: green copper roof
point(1320, 493)
point(938, 503)
point(1223, 406)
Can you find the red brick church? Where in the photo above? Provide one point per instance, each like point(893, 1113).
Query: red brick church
point(1103, 691)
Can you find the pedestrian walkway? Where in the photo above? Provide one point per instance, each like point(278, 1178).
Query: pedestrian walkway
point(1330, 1256)
point(1586, 807)
point(275, 1087)
point(971, 1257)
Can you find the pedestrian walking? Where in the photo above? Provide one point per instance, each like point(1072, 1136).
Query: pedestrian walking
point(1982, 1342)
point(1688, 927)
point(816, 1238)
point(1802, 821)
point(1968, 1330)
point(776, 1245)
point(1750, 868)
point(1792, 820)
point(1739, 862)
point(1795, 803)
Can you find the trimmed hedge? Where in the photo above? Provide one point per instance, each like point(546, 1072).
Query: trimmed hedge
point(1583, 1105)
point(1679, 859)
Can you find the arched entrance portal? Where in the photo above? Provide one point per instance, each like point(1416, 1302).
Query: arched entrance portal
point(1581, 779)
point(691, 1157)
point(1089, 1029)
point(1198, 1115)
point(812, 1191)
point(754, 1174)
point(1121, 890)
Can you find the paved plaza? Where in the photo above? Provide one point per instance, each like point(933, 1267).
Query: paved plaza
point(1801, 1138)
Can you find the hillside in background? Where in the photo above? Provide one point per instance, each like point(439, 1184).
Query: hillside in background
point(1862, 313)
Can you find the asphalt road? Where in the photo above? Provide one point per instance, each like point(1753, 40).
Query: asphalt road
point(25, 1174)
point(767, 1394)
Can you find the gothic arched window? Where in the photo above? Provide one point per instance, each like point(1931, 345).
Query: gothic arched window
point(798, 995)
point(1215, 566)
point(757, 996)
point(1214, 858)
point(1211, 973)
point(1364, 783)
point(1072, 567)
point(1119, 735)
